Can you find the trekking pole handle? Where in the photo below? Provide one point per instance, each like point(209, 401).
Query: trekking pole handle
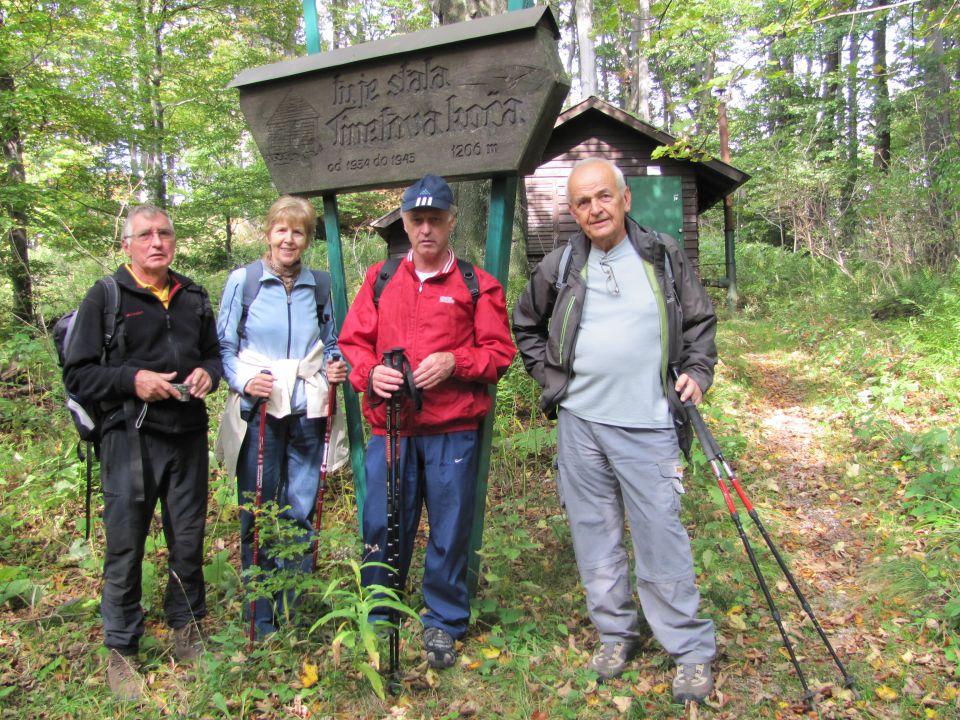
point(707, 442)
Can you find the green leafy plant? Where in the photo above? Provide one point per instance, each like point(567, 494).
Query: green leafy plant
point(353, 630)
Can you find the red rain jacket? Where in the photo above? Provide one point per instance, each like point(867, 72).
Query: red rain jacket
point(437, 315)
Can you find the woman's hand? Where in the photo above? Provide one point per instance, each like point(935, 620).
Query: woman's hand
point(260, 385)
point(336, 371)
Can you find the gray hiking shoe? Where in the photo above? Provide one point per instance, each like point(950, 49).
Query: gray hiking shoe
point(122, 676)
point(187, 645)
point(439, 645)
point(694, 681)
point(611, 658)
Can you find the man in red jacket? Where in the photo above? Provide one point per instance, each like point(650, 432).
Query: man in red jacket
point(457, 346)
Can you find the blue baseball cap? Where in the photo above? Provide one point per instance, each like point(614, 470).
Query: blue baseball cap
point(430, 191)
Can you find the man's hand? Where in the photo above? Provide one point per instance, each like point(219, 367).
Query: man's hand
point(260, 385)
point(152, 386)
point(434, 369)
point(688, 389)
point(200, 383)
point(385, 381)
point(336, 371)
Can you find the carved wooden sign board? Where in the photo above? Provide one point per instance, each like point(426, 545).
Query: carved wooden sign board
point(470, 100)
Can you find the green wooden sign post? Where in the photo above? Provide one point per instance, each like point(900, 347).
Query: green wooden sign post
point(331, 223)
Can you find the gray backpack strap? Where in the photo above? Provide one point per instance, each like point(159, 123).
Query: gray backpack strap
point(668, 266)
point(321, 291)
point(563, 270)
point(251, 286)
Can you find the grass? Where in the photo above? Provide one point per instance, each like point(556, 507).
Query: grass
point(835, 423)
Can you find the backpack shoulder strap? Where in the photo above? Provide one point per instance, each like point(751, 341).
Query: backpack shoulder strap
point(389, 268)
point(111, 316)
point(667, 265)
point(321, 290)
point(563, 270)
point(383, 277)
point(469, 273)
point(251, 286)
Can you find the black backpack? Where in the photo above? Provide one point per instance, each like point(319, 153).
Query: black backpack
point(87, 415)
point(390, 267)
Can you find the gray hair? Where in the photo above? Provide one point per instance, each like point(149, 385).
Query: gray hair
point(452, 210)
point(148, 210)
point(617, 172)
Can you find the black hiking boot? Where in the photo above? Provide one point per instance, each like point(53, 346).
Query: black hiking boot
point(439, 645)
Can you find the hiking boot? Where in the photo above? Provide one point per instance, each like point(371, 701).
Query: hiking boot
point(694, 681)
point(439, 646)
point(611, 658)
point(122, 676)
point(187, 645)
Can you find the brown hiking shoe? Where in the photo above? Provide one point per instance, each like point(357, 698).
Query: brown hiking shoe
point(122, 676)
point(187, 645)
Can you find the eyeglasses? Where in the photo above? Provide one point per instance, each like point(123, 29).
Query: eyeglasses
point(145, 235)
point(612, 286)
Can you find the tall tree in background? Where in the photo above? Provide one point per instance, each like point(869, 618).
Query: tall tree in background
point(938, 132)
point(585, 49)
point(14, 202)
point(881, 90)
point(644, 82)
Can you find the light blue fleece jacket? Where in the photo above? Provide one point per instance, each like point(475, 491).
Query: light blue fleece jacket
point(278, 327)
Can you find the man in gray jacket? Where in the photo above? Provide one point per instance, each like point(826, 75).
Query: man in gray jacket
point(600, 326)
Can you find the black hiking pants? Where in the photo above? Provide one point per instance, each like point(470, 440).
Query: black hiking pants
point(175, 473)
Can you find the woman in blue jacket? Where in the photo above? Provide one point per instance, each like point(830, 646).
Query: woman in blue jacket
point(278, 351)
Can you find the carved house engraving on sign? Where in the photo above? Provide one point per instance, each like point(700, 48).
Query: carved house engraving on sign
point(293, 132)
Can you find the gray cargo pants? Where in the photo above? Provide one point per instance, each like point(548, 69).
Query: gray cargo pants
point(604, 472)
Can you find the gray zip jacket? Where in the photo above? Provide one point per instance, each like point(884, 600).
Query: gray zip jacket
point(546, 319)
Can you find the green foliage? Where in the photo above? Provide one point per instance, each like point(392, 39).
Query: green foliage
point(933, 459)
point(939, 329)
point(353, 629)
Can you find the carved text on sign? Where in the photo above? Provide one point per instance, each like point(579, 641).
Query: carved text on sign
point(351, 128)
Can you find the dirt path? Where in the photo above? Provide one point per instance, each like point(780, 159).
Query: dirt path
point(800, 470)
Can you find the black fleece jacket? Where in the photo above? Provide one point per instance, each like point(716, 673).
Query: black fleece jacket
point(179, 338)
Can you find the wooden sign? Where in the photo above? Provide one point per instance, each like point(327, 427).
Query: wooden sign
point(471, 100)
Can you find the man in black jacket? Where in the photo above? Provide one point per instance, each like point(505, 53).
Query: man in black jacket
point(599, 327)
point(161, 362)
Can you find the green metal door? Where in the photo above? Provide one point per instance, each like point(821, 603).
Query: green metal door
point(657, 202)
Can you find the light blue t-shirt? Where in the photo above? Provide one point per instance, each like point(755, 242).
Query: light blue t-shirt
point(616, 363)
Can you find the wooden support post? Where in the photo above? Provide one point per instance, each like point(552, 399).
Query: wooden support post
point(331, 223)
point(503, 202)
point(310, 26)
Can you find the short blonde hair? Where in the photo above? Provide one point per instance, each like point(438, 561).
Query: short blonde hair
point(295, 211)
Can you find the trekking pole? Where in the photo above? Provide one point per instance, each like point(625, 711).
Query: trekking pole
point(88, 459)
point(258, 499)
point(322, 486)
point(717, 461)
point(394, 359)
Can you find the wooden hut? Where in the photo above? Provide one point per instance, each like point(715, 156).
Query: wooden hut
point(667, 194)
